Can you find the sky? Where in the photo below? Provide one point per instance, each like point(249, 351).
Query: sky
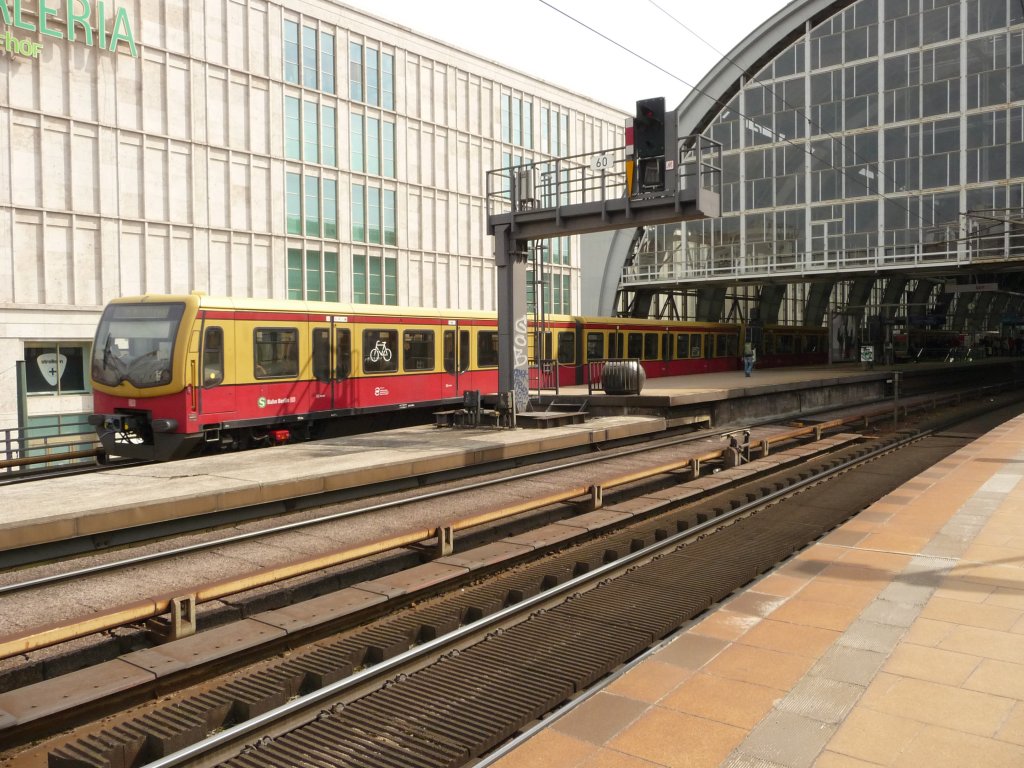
point(533, 37)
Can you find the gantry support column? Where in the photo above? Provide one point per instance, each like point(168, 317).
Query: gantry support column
point(513, 352)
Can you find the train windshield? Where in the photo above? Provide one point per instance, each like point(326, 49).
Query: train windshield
point(135, 343)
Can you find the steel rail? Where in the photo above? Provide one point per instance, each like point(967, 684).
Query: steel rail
point(215, 747)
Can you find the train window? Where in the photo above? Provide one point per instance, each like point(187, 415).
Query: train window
point(547, 345)
point(463, 351)
point(635, 345)
point(682, 345)
point(566, 347)
point(275, 353)
point(727, 345)
point(418, 350)
point(784, 344)
point(595, 346)
point(379, 350)
point(448, 351)
point(487, 349)
point(213, 357)
point(322, 354)
point(768, 345)
point(342, 353)
point(615, 346)
point(696, 344)
point(651, 346)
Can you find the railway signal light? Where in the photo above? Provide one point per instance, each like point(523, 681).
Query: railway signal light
point(649, 145)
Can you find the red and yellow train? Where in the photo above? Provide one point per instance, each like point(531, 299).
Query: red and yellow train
point(173, 375)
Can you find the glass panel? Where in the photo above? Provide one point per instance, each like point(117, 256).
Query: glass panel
point(135, 343)
point(311, 138)
point(326, 62)
point(294, 273)
point(373, 145)
point(59, 369)
point(213, 357)
point(313, 275)
point(380, 353)
point(387, 68)
point(391, 282)
point(343, 353)
point(372, 78)
point(595, 346)
point(358, 213)
point(359, 278)
point(313, 206)
point(292, 147)
point(464, 350)
point(388, 149)
point(321, 354)
point(355, 72)
point(566, 347)
point(330, 208)
point(356, 143)
point(418, 350)
point(291, 52)
point(376, 280)
point(373, 214)
point(390, 223)
point(651, 351)
point(330, 276)
point(309, 63)
point(275, 352)
point(448, 352)
point(330, 136)
point(293, 203)
point(635, 345)
point(487, 349)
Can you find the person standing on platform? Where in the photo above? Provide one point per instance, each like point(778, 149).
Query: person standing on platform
point(749, 358)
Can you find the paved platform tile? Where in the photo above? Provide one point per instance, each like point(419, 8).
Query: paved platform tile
point(650, 681)
point(950, 749)
point(723, 700)
point(678, 740)
point(931, 664)
point(874, 736)
point(760, 666)
point(790, 638)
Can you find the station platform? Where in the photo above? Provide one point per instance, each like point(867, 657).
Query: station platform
point(95, 504)
point(896, 640)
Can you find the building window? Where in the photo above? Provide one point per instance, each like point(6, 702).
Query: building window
point(355, 72)
point(55, 369)
point(374, 215)
point(304, 63)
point(516, 121)
point(374, 279)
point(554, 132)
point(387, 81)
point(372, 78)
point(373, 145)
point(291, 52)
point(303, 211)
point(329, 136)
point(292, 145)
point(312, 275)
point(310, 132)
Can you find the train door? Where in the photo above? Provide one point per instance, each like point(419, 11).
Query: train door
point(321, 388)
point(218, 380)
point(343, 383)
point(451, 360)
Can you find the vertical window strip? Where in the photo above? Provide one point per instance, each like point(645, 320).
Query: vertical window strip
point(330, 208)
point(358, 213)
point(373, 146)
point(313, 290)
point(545, 146)
point(517, 122)
point(390, 218)
point(312, 206)
point(293, 203)
point(506, 118)
point(294, 273)
point(391, 282)
point(376, 292)
point(326, 62)
point(309, 60)
point(355, 72)
point(292, 145)
point(310, 132)
point(373, 215)
point(388, 149)
point(291, 52)
point(566, 296)
point(372, 78)
point(356, 140)
point(329, 137)
point(387, 81)
point(330, 276)
point(563, 135)
point(528, 125)
point(359, 294)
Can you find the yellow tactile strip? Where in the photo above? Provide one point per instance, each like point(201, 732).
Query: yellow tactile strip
point(896, 641)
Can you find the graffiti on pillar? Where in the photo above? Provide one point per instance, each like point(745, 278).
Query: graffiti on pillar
point(519, 344)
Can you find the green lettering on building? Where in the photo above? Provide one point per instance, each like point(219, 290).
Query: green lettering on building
point(78, 17)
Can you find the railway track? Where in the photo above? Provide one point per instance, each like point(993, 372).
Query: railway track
point(683, 532)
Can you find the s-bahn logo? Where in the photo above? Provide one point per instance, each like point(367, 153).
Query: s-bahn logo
point(263, 402)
